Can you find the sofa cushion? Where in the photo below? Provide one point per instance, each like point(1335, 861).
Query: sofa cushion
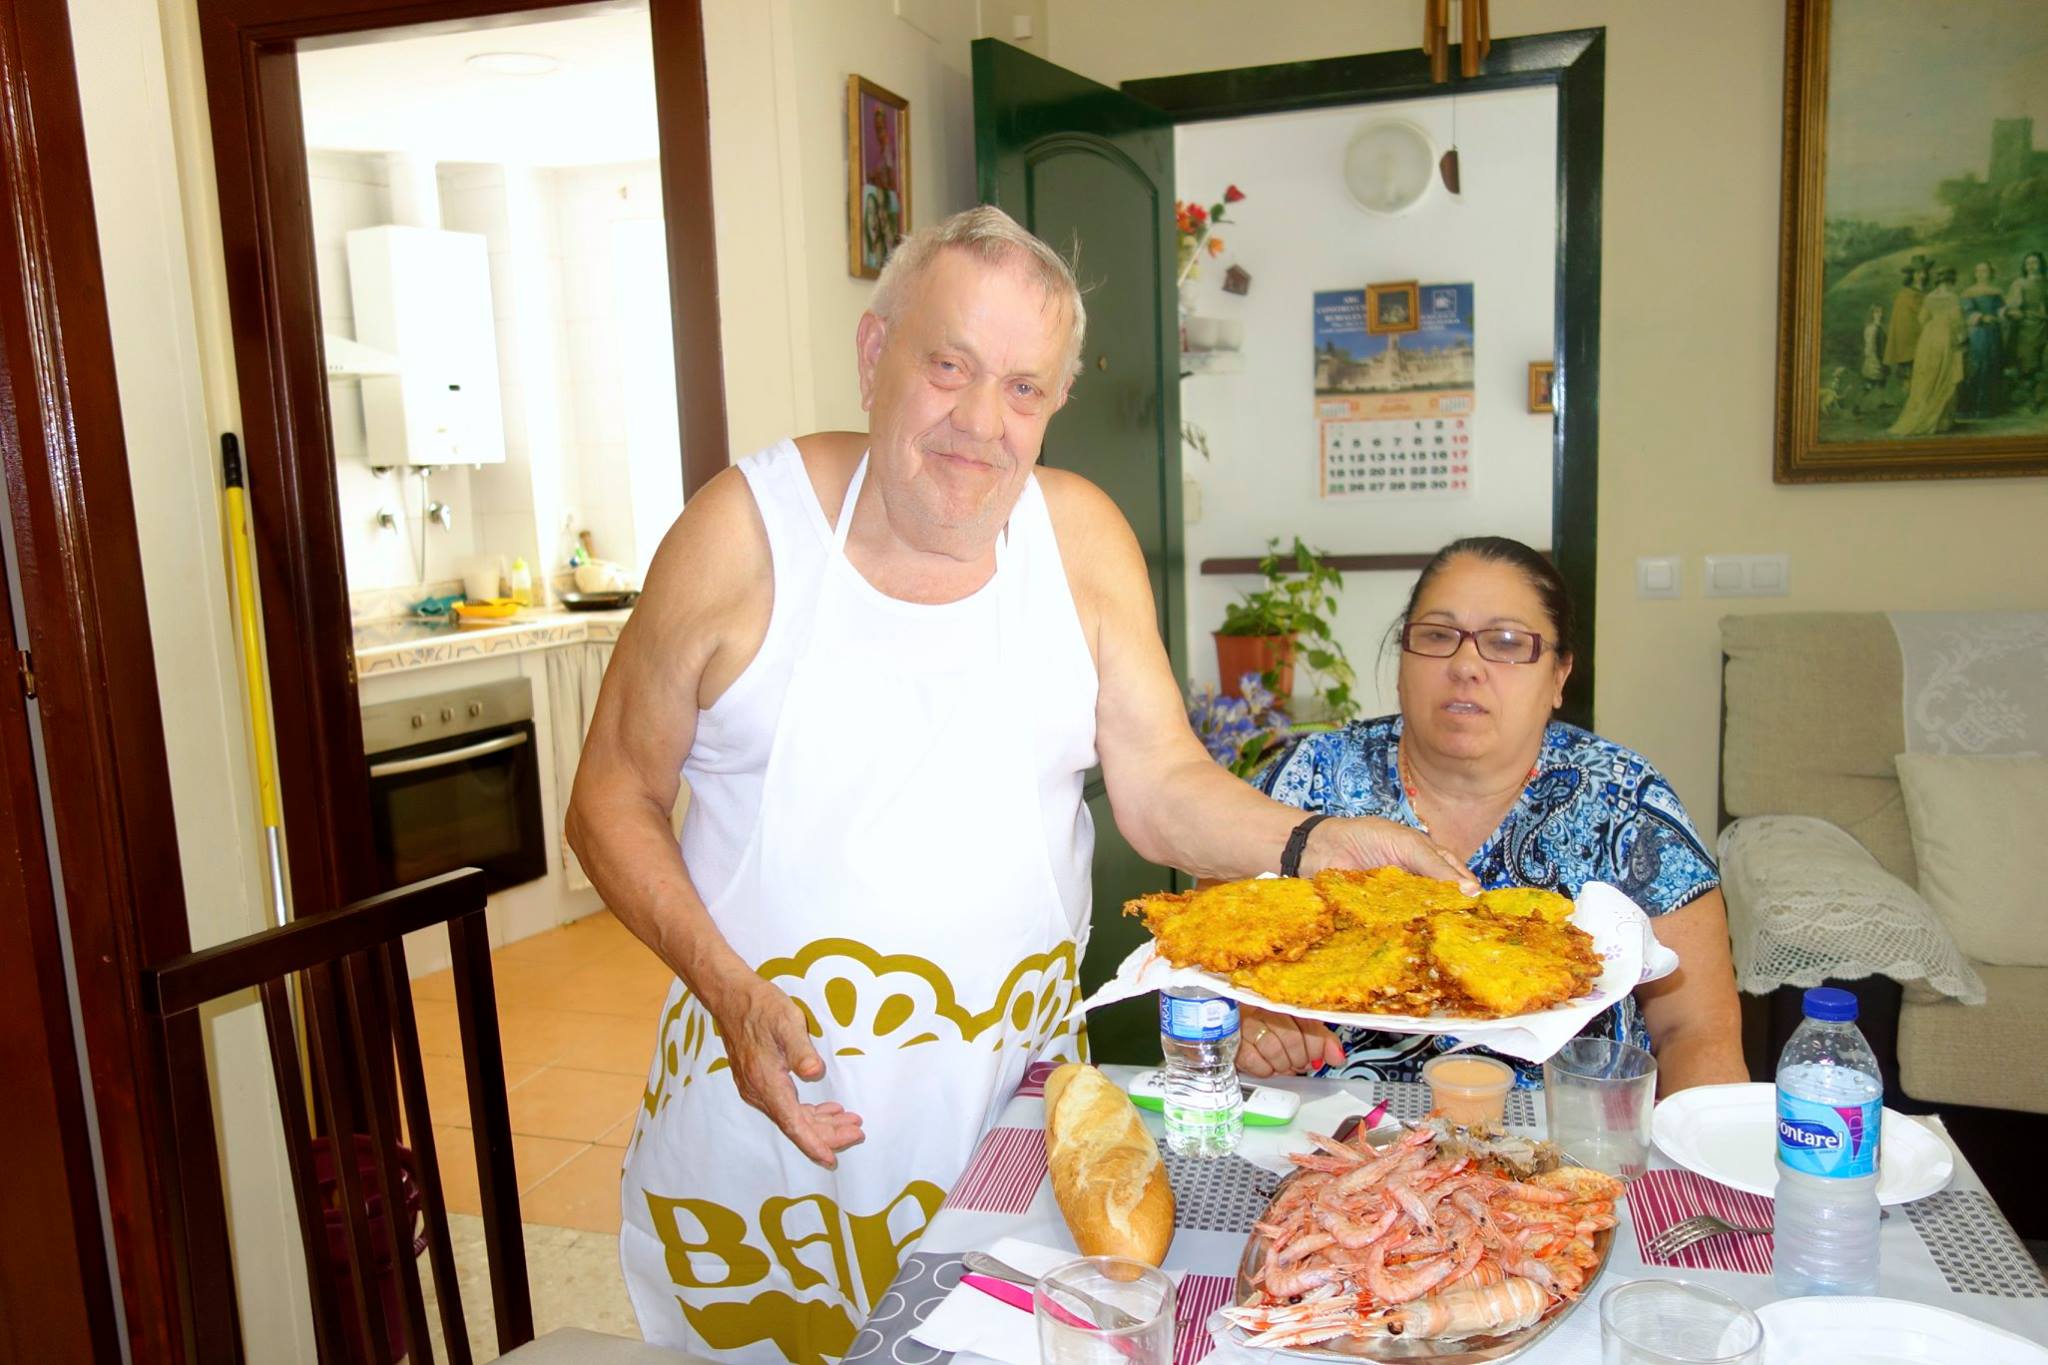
point(1988, 1054)
point(1813, 714)
point(1977, 823)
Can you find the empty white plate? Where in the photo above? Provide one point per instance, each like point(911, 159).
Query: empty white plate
point(1729, 1133)
point(1857, 1331)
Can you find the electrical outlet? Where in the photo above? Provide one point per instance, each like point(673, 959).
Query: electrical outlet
point(1749, 575)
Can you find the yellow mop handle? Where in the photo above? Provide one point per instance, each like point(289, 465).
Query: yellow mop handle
point(252, 652)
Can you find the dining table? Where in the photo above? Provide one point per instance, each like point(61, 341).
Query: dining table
point(1952, 1249)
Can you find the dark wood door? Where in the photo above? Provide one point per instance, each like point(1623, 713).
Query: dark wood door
point(1090, 170)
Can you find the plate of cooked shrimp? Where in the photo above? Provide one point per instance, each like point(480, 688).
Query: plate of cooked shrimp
point(1422, 1243)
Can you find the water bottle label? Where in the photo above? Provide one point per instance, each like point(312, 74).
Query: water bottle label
point(1197, 1021)
point(1839, 1140)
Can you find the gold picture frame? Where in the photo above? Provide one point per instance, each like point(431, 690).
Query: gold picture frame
point(1542, 386)
point(877, 175)
point(1911, 342)
point(1395, 307)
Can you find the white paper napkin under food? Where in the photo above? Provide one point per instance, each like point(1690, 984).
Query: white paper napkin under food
point(1621, 935)
point(1268, 1147)
point(968, 1320)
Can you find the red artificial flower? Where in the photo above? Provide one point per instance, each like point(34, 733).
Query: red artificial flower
point(1198, 215)
point(1232, 195)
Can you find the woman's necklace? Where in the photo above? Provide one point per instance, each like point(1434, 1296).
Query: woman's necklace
point(1408, 785)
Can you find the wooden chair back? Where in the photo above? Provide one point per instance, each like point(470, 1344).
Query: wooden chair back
point(340, 978)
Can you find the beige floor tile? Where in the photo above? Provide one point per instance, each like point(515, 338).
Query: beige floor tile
point(566, 1102)
point(448, 1086)
point(574, 1277)
point(434, 986)
point(533, 1158)
point(611, 1043)
point(620, 1135)
point(583, 1194)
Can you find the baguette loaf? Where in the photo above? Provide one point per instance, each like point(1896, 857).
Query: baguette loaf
point(1106, 1172)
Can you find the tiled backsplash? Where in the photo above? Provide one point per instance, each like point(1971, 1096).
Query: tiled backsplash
point(381, 604)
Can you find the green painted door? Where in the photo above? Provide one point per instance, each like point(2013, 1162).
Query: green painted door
point(1090, 170)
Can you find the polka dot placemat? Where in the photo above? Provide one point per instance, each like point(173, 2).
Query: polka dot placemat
point(1975, 1248)
point(1217, 1194)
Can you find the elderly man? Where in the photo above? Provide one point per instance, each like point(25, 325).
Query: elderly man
point(885, 662)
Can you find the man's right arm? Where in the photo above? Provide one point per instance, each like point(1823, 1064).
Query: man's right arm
point(709, 593)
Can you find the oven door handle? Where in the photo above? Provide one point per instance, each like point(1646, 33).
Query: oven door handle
point(398, 766)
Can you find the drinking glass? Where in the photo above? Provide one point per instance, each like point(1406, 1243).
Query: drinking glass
point(1597, 1097)
point(1067, 1299)
point(1671, 1322)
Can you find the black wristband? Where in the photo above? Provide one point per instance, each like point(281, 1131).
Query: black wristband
point(1297, 842)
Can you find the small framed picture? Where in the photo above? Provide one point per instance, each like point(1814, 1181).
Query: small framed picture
point(1542, 386)
point(877, 175)
point(1393, 307)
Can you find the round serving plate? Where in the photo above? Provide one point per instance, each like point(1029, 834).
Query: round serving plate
point(1461, 1351)
point(1729, 1133)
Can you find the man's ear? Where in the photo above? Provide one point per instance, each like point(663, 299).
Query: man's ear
point(868, 340)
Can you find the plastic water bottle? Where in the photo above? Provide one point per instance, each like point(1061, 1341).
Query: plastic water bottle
point(1830, 1114)
point(1204, 1104)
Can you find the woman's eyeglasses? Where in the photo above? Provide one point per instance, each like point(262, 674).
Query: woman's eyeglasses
point(1432, 640)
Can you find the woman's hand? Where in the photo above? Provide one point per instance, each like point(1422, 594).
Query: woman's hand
point(1368, 841)
point(1282, 1045)
point(766, 1039)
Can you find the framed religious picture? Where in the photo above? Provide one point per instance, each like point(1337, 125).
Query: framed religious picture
point(877, 175)
point(1393, 307)
point(1913, 286)
point(1542, 379)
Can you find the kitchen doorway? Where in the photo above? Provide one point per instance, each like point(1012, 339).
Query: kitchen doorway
point(395, 185)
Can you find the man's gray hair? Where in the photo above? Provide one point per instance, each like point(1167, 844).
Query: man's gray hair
point(994, 238)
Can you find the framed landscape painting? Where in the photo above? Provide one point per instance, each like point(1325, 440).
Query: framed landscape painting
point(1913, 286)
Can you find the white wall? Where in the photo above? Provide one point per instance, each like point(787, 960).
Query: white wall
point(606, 375)
point(1688, 366)
point(1297, 232)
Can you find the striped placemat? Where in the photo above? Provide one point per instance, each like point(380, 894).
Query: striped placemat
point(1659, 1199)
point(1033, 1084)
point(1004, 1174)
point(1197, 1298)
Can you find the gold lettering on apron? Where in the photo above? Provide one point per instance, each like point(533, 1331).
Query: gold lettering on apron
point(725, 1236)
point(774, 1216)
point(806, 1331)
point(880, 1254)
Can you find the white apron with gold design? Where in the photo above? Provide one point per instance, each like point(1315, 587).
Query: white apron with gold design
point(886, 821)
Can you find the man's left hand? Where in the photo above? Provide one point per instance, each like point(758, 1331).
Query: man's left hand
point(1367, 841)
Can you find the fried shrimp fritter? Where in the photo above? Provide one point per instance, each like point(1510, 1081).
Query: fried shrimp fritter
point(1502, 966)
point(1235, 924)
point(1523, 901)
point(1383, 969)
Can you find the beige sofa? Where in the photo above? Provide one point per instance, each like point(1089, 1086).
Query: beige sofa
point(1811, 722)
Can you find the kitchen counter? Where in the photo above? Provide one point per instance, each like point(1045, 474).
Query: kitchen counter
point(418, 642)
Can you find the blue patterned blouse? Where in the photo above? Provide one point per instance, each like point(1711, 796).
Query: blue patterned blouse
point(1594, 812)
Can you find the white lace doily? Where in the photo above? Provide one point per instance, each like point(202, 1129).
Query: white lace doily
point(1807, 903)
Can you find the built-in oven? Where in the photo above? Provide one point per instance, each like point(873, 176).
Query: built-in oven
point(455, 782)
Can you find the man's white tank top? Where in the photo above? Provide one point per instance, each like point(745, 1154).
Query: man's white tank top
point(730, 754)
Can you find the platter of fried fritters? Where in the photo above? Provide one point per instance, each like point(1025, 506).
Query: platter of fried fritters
point(1379, 942)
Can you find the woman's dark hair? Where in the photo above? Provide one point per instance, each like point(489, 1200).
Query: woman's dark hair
point(1539, 572)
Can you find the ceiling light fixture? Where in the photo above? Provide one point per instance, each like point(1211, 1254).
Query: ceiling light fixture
point(515, 63)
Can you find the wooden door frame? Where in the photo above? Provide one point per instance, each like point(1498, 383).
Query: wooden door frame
point(1575, 63)
point(249, 48)
point(93, 681)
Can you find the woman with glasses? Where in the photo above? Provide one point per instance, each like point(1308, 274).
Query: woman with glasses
point(1475, 761)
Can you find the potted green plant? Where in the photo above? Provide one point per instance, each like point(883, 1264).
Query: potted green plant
point(1267, 631)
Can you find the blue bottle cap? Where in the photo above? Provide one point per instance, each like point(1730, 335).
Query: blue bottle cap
point(1830, 1004)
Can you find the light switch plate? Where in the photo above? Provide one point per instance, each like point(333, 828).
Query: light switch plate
point(1658, 577)
point(1749, 575)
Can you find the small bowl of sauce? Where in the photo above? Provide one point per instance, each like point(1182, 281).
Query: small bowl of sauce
point(1469, 1090)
